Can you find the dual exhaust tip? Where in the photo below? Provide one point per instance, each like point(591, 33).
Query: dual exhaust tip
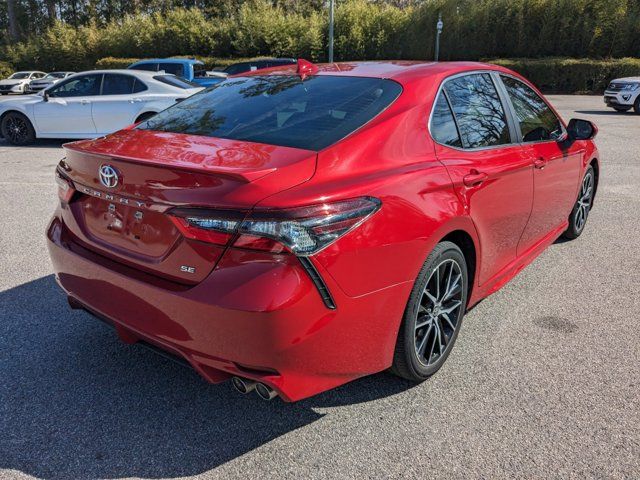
point(244, 386)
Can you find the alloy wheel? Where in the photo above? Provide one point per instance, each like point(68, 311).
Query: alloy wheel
point(439, 312)
point(584, 202)
point(16, 129)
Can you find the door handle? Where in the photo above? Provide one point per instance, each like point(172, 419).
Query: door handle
point(85, 102)
point(539, 163)
point(474, 178)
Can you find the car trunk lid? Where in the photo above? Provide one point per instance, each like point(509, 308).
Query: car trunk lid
point(127, 218)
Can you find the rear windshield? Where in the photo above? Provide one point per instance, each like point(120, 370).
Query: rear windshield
point(280, 109)
point(176, 81)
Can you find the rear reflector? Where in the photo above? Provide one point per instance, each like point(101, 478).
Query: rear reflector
point(302, 231)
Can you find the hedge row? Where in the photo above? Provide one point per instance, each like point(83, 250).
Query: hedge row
point(364, 29)
point(572, 75)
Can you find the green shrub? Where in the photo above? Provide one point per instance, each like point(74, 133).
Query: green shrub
point(6, 69)
point(572, 75)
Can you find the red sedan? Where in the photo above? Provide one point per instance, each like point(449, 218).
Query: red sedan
point(296, 228)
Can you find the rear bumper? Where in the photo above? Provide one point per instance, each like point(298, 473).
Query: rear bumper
point(259, 318)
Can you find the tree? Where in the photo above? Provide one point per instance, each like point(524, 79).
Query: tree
point(14, 33)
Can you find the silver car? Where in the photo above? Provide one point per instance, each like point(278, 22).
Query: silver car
point(46, 81)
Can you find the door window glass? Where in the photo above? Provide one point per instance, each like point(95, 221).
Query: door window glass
point(478, 110)
point(83, 86)
point(537, 121)
point(114, 84)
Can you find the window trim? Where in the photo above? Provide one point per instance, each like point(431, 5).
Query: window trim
point(513, 132)
point(515, 116)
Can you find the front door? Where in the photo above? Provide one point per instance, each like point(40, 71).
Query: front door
point(68, 108)
point(556, 164)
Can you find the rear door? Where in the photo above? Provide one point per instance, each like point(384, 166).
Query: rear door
point(119, 103)
point(557, 165)
point(68, 109)
point(476, 142)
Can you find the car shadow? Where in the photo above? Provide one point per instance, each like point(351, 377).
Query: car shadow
point(77, 403)
point(38, 143)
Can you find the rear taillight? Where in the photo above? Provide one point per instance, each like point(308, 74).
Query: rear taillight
point(65, 187)
point(302, 231)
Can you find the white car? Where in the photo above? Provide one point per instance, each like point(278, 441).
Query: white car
point(91, 104)
point(622, 94)
point(45, 82)
point(19, 82)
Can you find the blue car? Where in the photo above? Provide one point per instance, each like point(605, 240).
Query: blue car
point(188, 68)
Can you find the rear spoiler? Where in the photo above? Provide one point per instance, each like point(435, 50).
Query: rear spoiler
point(245, 175)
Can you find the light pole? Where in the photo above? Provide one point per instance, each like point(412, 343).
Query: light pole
point(330, 31)
point(439, 26)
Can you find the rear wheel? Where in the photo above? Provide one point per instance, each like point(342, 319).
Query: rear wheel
point(580, 212)
point(433, 316)
point(17, 129)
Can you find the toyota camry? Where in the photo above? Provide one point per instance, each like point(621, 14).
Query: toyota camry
point(296, 228)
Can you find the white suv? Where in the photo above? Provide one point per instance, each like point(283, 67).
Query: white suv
point(622, 94)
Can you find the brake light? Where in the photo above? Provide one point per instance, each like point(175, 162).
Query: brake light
point(303, 231)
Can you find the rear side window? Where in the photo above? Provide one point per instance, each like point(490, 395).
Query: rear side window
point(280, 109)
point(171, 68)
point(139, 86)
point(478, 111)
point(443, 125)
point(176, 81)
point(114, 84)
point(537, 121)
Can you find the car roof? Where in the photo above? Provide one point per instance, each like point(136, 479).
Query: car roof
point(191, 61)
point(126, 71)
point(400, 70)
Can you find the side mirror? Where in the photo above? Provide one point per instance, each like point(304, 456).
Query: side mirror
point(579, 129)
point(45, 96)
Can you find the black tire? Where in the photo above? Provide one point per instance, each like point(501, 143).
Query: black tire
point(622, 109)
point(636, 105)
point(17, 129)
point(145, 116)
point(580, 212)
point(413, 338)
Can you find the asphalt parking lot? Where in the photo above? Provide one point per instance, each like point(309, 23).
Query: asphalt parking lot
point(544, 380)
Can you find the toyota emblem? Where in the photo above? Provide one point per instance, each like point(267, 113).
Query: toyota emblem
point(108, 176)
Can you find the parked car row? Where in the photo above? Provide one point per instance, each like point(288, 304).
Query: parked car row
point(95, 103)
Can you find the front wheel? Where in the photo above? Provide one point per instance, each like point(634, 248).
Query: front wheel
point(582, 207)
point(17, 129)
point(636, 105)
point(433, 316)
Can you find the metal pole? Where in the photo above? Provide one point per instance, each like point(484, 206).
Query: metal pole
point(439, 26)
point(330, 31)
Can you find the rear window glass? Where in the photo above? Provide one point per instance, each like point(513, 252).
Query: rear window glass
point(280, 109)
point(175, 81)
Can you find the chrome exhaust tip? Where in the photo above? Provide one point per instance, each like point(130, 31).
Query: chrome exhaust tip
point(243, 385)
point(265, 392)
